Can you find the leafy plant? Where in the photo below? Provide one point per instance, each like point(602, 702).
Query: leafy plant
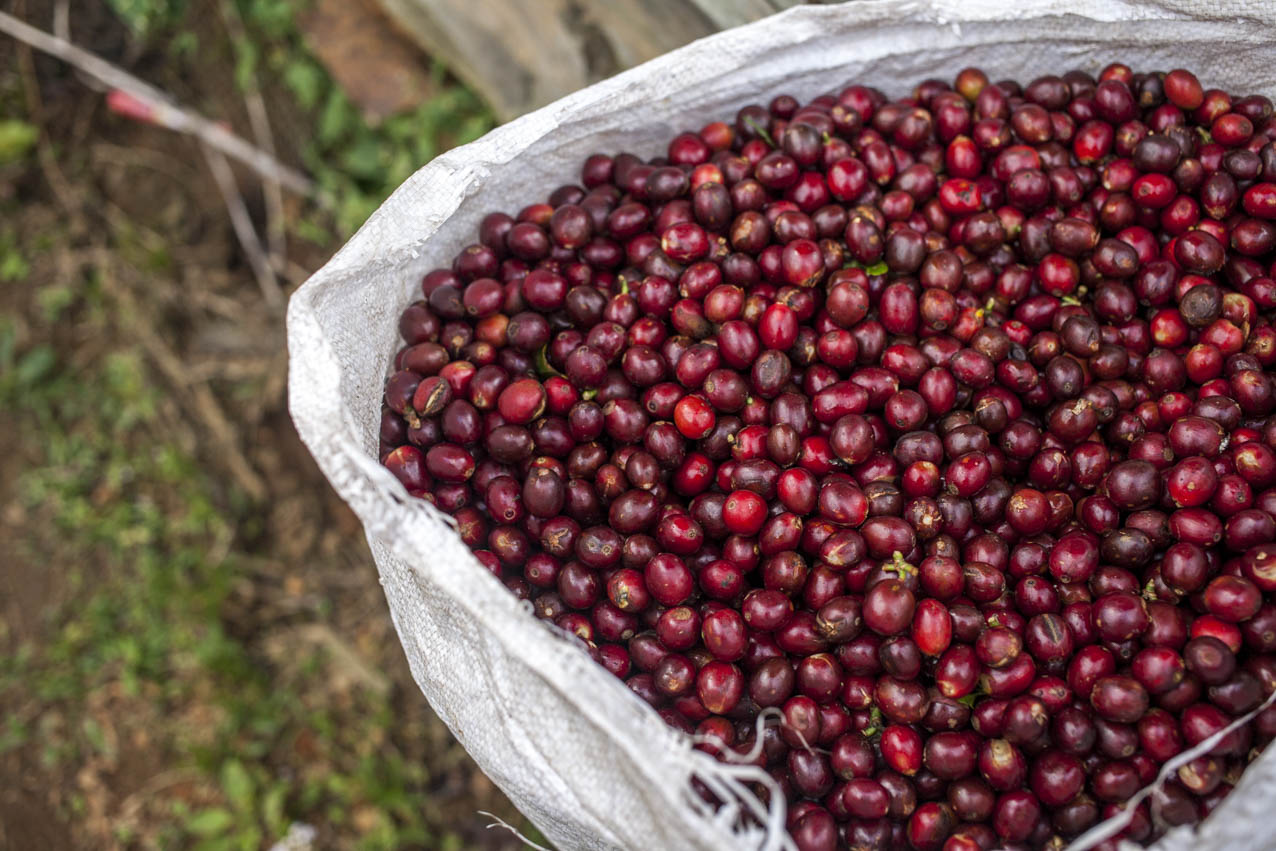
point(17, 138)
point(355, 163)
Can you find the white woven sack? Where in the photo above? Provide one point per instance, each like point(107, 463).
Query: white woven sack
point(587, 761)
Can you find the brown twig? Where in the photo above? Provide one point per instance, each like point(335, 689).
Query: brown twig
point(132, 805)
point(162, 109)
point(62, 19)
point(200, 399)
point(274, 391)
point(259, 120)
point(179, 171)
point(227, 369)
point(61, 187)
point(214, 303)
point(242, 222)
point(295, 273)
point(119, 219)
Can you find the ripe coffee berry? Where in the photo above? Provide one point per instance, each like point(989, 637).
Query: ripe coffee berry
point(942, 428)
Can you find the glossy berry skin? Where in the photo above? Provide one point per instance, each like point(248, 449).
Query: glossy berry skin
point(1056, 778)
point(1192, 482)
point(409, 466)
point(522, 401)
point(932, 627)
point(1015, 815)
point(889, 607)
point(719, 685)
point(1158, 669)
point(902, 749)
point(1120, 699)
point(723, 633)
point(1001, 764)
point(694, 417)
point(744, 513)
point(1232, 598)
point(918, 446)
point(1120, 616)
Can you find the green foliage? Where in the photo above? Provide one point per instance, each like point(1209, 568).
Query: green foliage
point(275, 19)
point(17, 138)
point(355, 163)
point(146, 17)
point(151, 546)
point(306, 80)
point(360, 165)
point(13, 266)
point(141, 533)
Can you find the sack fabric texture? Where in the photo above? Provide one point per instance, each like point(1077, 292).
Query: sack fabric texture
point(586, 760)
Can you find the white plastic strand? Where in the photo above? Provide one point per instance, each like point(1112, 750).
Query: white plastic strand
point(1117, 823)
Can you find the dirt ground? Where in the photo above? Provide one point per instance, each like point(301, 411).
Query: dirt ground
point(196, 652)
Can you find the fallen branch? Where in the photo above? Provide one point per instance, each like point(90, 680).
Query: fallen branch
point(62, 19)
point(259, 120)
point(198, 399)
point(263, 269)
point(160, 108)
point(67, 196)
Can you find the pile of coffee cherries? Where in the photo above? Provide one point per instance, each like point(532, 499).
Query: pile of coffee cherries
point(941, 428)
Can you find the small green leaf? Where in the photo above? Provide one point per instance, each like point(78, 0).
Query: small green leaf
point(363, 159)
point(185, 44)
point(13, 266)
point(53, 300)
point(94, 733)
point(238, 785)
point(246, 60)
point(336, 118)
point(761, 131)
point(229, 842)
point(306, 81)
point(17, 138)
point(145, 16)
point(879, 268)
point(8, 343)
point(35, 365)
point(544, 369)
point(210, 822)
point(13, 735)
point(272, 808)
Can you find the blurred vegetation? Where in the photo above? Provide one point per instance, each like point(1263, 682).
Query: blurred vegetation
point(356, 164)
point(140, 701)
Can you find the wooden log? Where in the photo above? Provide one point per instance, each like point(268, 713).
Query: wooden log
point(521, 54)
